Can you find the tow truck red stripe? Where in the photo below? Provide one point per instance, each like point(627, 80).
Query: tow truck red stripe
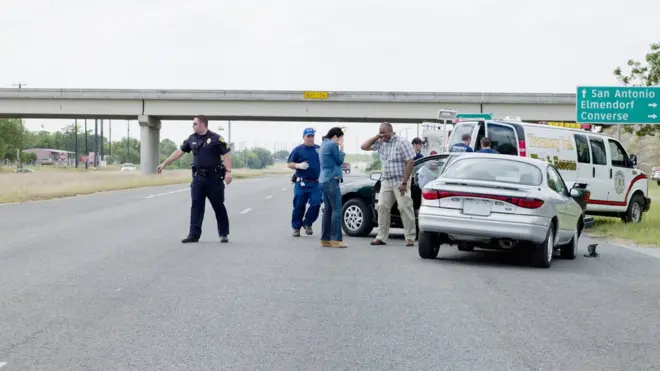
point(619, 203)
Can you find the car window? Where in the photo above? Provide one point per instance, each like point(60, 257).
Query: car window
point(429, 168)
point(488, 169)
point(503, 139)
point(555, 182)
point(582, 149)
point(618, 154)
point(459, 130)
point(598, 151)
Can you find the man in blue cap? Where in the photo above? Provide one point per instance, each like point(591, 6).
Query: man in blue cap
point(304, 159)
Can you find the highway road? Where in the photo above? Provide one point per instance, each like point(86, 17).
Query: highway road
point(102, 282)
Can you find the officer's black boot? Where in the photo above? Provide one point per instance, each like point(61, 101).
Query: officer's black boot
point(190, 239)
point(224, 239)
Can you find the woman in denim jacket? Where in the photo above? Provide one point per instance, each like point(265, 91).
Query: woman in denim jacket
point(332, 156)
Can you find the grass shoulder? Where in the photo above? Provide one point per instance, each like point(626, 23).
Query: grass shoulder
point(48, 184)
point(646, 233)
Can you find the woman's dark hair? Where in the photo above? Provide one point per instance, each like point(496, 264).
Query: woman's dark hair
point(335, 132)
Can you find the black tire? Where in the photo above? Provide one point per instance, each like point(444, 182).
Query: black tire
point(635, 210)
point(569, 251)
point(428, 245)
point(541, 257)
point(360, 216)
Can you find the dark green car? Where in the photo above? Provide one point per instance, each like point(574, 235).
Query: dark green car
point(359, 198)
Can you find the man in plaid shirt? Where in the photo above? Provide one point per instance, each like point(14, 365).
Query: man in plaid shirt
point(396, 155)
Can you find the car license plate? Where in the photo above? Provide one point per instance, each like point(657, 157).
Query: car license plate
point(477, 207)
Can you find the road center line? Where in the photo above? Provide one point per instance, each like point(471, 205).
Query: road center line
point(246, 211)
point(168, 193)
point(269, 196)
point(283, 189)
point(3, 364)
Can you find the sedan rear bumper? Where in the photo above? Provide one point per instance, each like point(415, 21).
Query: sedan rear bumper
point(453, 222)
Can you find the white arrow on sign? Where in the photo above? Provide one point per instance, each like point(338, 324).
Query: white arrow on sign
point(653, 105)
point(653, 116)
point(584, 93)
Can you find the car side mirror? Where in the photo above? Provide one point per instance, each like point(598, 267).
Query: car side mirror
point(633, 160)
point(575, 193)
point(375, 176)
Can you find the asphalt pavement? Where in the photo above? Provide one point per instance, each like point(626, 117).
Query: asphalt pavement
point(102, 282)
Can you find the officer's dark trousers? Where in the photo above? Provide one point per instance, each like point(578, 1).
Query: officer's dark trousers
point(212, 187)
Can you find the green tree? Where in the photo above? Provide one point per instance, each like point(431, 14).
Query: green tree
point(12, 138)
point(645, 73)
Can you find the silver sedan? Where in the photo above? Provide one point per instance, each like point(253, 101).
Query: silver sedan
point(501, 202)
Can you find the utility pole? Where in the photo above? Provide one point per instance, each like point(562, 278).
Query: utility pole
point(75, 131)
point(20, 85)
point(110, 138)
point(128, 137)
point(86, 148)
point(102, 139)
point(96, 142)
point(229, 132)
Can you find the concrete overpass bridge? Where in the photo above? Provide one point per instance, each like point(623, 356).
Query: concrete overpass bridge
point(150, 106)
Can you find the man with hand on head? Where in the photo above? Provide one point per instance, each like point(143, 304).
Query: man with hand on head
point(396, 156)
point(304, 159)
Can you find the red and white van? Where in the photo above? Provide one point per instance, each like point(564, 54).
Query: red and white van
point(582, 157)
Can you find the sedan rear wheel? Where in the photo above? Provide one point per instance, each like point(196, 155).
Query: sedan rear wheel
point(542, 254)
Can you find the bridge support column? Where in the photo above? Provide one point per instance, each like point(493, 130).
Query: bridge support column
point(149, 144)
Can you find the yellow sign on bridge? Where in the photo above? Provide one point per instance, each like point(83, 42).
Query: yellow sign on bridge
point(316, 95)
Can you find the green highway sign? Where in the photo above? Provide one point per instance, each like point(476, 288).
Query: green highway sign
point(617, 105)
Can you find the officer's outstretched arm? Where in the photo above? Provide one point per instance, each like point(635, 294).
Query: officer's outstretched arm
point(173, 157)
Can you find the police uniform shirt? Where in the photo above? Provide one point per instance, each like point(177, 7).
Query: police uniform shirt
point(207, 149)
point(303, 153)
point(461, 147)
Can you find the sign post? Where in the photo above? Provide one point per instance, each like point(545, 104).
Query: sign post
point(617, 105)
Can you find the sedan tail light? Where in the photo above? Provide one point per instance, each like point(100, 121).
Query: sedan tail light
point(524, 202)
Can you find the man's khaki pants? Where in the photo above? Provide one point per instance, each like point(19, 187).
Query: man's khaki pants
point(386, 198)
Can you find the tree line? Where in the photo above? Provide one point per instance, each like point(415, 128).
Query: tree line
point(14, 138)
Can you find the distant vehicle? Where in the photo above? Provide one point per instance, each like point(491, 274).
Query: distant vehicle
point(501, 202)
point(128, 167)
point(346, 167)
point(360, 197)
point(655, 174)
point(594, 161)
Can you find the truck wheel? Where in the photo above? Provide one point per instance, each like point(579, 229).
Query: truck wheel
point(428, 245)
point(356, 218)
point(634, 212)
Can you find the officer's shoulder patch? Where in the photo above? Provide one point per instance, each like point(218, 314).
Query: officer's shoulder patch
point(221, 139)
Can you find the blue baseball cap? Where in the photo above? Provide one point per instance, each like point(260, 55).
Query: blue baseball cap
point(308, 131)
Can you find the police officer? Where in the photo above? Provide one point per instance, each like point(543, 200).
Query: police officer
point(208, 171)
point(305, 160)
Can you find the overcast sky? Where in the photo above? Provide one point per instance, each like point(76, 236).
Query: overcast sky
point(424, 45)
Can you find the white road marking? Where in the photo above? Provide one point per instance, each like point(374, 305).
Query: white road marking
point(3, 364)
point(168, 193)
point(269, 196)
point(246, 211)
point(283, 189)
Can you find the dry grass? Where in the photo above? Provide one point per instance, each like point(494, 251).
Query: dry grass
point(52, 183)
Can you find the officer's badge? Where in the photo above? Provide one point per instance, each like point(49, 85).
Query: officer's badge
point(208, 141)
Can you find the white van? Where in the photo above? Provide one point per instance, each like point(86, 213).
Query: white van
point(583, 158)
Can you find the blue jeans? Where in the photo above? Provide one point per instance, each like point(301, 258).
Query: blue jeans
point(331, 221)
point(311, 193)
